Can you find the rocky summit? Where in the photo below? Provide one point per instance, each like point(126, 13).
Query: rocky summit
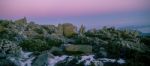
point(24, 43)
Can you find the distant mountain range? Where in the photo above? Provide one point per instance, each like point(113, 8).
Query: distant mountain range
point(136, 26)
point(141, 28)
point(145, 34)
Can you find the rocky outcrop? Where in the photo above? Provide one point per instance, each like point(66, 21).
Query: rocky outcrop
point(67, 29)
point(59, 30)
point(21, 21)
point(102, 43)
point(56, 51)
point(42, 60)
point(82, 29)
point(81, 49)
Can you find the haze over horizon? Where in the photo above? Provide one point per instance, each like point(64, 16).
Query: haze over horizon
point(91, 13)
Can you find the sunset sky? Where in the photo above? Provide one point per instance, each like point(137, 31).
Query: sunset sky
point(92, 13)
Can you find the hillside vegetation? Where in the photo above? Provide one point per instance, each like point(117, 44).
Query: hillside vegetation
point(107, 42)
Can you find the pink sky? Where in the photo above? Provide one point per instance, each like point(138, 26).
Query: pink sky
point(68, 7)
point(91, 13)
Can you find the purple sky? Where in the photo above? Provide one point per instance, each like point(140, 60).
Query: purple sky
point(68, 7)
point(92, 13)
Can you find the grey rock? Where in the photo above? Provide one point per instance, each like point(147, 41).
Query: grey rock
point(98, 63)
point(66, 29)
point(42, 60)
point(56, 51)
point(83, 49)
point(82, 29)
point(103, 52)
point(21, 21)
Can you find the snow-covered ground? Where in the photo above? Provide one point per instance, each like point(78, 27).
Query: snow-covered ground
point(56, 59)
point(26, 59)
point(86, 59)
point(121, 61)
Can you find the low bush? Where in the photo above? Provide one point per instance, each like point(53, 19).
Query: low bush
point(34, 45)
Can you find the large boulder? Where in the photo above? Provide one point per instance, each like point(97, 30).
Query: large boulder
point(59, 30)
point(67, 29)
point(82, 29)
point(21, 21)
point(56, 51)
point(78, 49)
point(42, 60)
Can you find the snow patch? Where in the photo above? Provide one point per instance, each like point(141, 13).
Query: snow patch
point(88, 59)
point(27, 62)
point(26, 54)
point(121, 61)
point(56, 59)
point(24, 60)
point(107, 60)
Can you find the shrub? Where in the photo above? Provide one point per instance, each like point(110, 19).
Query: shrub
point(54, 42)
point(9, 48)
point(4, 23)
point(38, 45)
point(39, 30)
point(34, 45)
point(81, 39)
